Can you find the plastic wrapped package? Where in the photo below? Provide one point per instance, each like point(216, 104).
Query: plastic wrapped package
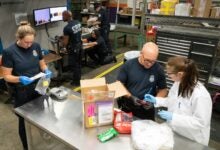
point(183, 9)
point(42, 85)
point(149, 135)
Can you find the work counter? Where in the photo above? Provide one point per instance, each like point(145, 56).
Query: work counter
point(63, 120)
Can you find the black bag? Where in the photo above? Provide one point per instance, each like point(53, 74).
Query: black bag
point(216, 102)
point(129, 105)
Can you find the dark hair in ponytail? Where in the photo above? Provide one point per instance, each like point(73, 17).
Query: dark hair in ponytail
point(190, 74)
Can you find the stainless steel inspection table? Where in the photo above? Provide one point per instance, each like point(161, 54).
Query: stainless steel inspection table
point(63, 120)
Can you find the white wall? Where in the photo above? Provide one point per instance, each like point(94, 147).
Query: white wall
point(8, 26)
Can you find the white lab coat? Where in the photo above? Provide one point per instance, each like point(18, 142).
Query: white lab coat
point(191, 116)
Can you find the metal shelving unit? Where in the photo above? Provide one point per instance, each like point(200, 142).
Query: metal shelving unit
point(187, 36)
point(181, 41)
point(76, 7)
point(191, 22)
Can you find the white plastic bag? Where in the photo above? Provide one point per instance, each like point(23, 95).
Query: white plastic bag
point(149, 135)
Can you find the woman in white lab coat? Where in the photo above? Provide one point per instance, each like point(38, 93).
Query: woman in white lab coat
point(189, 103)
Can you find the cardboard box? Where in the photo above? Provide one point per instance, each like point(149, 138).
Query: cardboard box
point(129, 10)
point(125, 10)
point(215, 12)
point(137, 12)
point(98, 101)
point(202, 8)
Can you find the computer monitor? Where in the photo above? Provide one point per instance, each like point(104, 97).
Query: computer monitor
point(56, 13)
point(41, 16)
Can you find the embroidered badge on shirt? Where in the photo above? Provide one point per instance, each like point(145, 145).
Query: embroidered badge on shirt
point(35, 53)
point(151, 78)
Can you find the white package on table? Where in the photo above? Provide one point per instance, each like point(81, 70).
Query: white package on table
point(149, 135)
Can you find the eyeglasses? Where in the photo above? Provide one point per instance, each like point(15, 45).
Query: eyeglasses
point(148, 60)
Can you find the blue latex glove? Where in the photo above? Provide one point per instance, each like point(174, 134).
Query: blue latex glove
point(48, 73)
point(166, 115)
point(150, 98)
point(25, 80)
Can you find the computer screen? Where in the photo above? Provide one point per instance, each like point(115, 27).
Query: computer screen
point(56, 13)
point(41, 16)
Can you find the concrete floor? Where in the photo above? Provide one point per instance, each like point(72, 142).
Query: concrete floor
point(9, 139)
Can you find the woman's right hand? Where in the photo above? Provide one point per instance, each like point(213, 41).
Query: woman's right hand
point(25, 80)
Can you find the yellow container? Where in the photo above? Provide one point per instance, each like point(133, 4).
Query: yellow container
point(168, 7)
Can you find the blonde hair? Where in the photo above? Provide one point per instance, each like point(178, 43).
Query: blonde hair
point(24, 29)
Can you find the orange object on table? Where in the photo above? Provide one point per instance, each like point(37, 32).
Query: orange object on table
point(122, 122)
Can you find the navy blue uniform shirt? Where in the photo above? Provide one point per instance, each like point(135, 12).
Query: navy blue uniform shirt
point(139, 80)
point(24, 62)
point(73, 30)
point(101, 46)
point(103, 18)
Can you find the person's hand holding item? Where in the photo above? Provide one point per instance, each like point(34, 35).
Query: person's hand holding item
point(135, 100)
point(150, 98)
point(25, 80)
point(165, 115)
point(48, 73)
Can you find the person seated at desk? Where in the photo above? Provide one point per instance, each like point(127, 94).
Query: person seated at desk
point(189, 103)
point(99, 52)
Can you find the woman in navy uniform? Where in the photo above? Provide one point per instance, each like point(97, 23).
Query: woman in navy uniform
point(20, 61)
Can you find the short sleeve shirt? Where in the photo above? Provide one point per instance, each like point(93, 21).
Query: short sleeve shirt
point(73, 30)
point(24, 62)
point(139, 80)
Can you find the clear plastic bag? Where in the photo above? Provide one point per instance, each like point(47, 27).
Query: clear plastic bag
point(42, 85)
point(147, 134)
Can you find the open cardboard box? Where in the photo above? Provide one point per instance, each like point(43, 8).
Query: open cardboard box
point(98, 101)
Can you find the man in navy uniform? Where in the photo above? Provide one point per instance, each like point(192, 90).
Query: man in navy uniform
point(103, 22)
point(140, 76)
point(72, 41)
